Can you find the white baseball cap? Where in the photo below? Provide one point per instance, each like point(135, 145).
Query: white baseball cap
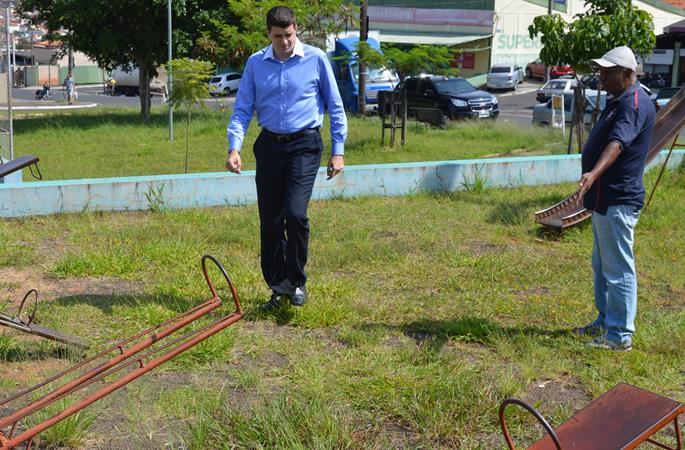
point(620, 56)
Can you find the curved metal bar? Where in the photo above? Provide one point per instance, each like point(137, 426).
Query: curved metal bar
point(37, 177)
point(234, 293)
point(35, 306)
point(533, 411)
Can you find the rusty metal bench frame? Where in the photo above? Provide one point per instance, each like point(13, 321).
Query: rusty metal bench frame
point(19, 163)
point(96, 377)
point(600, 426)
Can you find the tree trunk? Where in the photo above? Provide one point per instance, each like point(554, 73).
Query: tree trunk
point(187, 139)
point(144, 71)
point(579, 114)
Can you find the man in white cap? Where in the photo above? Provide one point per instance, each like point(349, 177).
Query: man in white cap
point(613, 163)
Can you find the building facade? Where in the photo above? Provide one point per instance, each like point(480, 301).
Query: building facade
point(487, 31)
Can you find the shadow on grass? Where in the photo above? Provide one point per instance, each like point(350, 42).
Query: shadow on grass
point(470, 329)
point(282, 314)
point(19, 353)
point(473, 330)
point(106, 303)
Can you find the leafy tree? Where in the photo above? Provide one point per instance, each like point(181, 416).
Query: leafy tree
point(232, 41)
point(190, 88)
point(128, 33)
point(605, 24)
point(431, 59)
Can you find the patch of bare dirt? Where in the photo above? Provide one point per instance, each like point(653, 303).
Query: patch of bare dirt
point(478, 247)
point(534, 292)
point(27, 373)
point(17, 281)
point(564, 391)
point(668, 298)
point(473, 352)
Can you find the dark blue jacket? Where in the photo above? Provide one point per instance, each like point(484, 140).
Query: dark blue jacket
point(628, 120)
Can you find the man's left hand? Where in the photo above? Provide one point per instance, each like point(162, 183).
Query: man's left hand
point(335, 165)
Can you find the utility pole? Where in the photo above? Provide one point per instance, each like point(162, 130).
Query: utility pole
point(10, 82)
point(169, 76)
point(363, 37)
point(547, 67)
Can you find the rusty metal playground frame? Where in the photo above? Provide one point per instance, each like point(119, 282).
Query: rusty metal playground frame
point(114, 367)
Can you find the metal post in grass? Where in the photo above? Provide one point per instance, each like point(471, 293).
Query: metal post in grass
point(7, 5)
point(169, 76)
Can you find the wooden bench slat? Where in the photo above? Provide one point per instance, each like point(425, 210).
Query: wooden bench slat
point(17, 164)
point(621, 418)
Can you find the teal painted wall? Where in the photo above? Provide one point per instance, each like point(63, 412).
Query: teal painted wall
point(222, 188)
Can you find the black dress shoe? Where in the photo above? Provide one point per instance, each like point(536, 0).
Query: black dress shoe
point(299, 296)
point(275, 302)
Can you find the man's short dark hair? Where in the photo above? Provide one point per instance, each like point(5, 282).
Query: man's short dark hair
point(280, 16)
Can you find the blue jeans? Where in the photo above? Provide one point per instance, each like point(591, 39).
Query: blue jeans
point(613, 264)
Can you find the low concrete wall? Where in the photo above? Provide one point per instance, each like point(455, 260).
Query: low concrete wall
point(213, 189)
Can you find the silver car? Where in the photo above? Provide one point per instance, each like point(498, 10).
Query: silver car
point(504, 76)
point(559, 86)
point(542, 112)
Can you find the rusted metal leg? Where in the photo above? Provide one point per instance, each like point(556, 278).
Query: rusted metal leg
point(677, 438)
point(533, 411)
point(663, 168)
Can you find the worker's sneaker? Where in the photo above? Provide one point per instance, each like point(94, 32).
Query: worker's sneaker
point(593, 329)
point(606, 344)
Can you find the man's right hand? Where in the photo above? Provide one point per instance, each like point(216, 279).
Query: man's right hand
point(233, 162)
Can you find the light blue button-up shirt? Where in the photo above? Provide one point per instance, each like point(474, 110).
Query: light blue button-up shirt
point(288, 96)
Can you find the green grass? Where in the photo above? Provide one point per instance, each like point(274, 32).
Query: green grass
point(113, 142)
point(426, 312)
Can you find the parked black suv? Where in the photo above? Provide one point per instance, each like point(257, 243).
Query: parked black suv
point(456, 97)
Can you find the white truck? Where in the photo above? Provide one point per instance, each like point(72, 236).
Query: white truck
point(127, 82)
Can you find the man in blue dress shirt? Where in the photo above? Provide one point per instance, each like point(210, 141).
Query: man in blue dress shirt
point(289, 84)
point(613, 163)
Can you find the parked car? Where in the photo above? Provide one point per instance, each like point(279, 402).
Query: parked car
point(537, 69)
point(664, 96)
point(224, 84)
point(504, 76)
point(590, 81)
point(563, 86)
point(454, 96)
point(542, 113)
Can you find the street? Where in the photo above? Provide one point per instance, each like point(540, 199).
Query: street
point(515, 106)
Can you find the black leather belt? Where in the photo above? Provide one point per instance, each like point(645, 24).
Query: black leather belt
point(289, 137)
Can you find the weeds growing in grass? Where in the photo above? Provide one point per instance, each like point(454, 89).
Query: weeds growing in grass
point(478, 183)
point(68, 433)
point(155, 198)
